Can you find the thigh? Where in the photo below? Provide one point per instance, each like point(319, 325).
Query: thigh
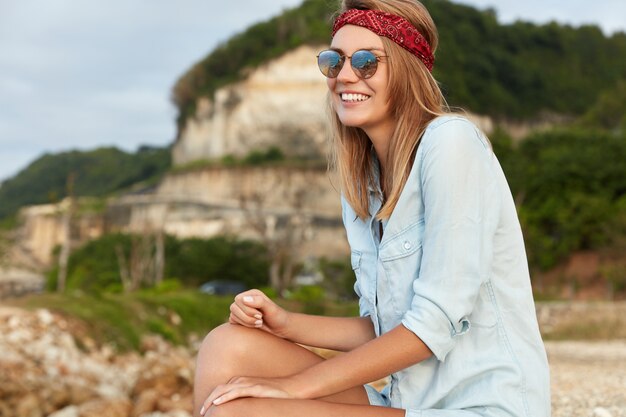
point(261, 407)
point(232, 350)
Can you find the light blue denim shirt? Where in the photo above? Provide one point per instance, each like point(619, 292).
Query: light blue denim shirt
point(451, 267)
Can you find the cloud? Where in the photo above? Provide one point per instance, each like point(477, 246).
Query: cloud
point(608, 14)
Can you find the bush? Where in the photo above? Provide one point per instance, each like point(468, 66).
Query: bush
point(95, 267)
point(311, 296)
point(568, 184)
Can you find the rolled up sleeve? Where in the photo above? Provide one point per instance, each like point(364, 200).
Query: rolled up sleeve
point(461, 207)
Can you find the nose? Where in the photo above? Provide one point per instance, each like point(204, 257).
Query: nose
point(347, 74)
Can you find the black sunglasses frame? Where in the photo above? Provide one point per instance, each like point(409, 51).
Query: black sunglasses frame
point(366, 71)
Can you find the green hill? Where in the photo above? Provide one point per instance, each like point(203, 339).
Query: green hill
point(518, 71)
point(98, 172)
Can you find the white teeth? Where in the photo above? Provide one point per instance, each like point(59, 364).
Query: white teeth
point(354, 97)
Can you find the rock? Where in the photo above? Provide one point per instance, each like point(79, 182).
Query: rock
point(45, 317)
point(153, 343)
point(601, 412)
point(54, 397)
point(28, 406)
point(145, 403)
point(69, 411)
point(5, 409)
point(175, 403)
point(42, 371)
point(81, 393)
point(119, 407)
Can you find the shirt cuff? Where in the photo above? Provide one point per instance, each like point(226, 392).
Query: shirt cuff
point(434, 328)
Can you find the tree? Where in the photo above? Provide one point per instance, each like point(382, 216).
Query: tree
point(281, 229)
point(145, 264)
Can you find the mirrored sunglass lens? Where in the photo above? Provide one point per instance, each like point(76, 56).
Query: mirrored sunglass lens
point(365, 63)
point(329, 63)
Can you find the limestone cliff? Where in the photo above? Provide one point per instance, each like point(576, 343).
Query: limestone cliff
point(281, 103)
point(216, 201)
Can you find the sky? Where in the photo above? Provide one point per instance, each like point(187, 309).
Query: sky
point(81, 74)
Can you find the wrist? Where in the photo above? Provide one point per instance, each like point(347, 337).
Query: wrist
point(284, 331)
point(301, 388)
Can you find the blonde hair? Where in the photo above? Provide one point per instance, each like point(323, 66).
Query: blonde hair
point(415, 98)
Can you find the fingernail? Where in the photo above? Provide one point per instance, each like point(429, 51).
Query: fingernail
point(217, 400)
point(258, 323)
point(258, 316)
point(248, 299)
point(202, 411)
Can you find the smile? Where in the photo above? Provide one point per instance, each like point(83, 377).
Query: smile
point(351, 97)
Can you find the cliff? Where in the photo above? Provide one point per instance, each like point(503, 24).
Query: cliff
point(240, 201)
point(281, 103)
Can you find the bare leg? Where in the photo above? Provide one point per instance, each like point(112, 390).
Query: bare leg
point(231, 350)
point(261, 407)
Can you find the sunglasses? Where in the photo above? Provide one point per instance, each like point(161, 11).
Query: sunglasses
point(363, 62)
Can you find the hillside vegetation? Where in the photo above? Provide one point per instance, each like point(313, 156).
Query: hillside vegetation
point(519, 71)
point(97, 173)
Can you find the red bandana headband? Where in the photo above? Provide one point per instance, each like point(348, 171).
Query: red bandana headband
point(391, 26)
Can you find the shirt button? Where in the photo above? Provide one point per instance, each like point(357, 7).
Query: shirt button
point(407, 245)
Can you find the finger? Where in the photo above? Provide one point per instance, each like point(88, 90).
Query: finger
point(240, 391)
point(241, 317)
point(243, 301)
point(259, 302)
point(256, 300)
point(217, 392)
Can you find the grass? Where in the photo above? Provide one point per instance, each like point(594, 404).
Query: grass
point(122, 319)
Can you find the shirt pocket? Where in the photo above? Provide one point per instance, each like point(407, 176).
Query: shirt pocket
point(401, 257)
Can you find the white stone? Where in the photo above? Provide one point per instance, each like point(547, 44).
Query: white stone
point(70, 411)
point(601, 412)
point(45, 317)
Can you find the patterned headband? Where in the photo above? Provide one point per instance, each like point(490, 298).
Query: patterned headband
point(391, 26)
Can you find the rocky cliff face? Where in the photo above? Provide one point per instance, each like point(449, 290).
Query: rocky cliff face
point(215, 201)
point(281, 103)
point(42, 230)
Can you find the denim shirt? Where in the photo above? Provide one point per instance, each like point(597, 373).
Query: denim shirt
point(451, 267)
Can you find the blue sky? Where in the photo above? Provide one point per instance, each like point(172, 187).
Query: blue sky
point(79, 74)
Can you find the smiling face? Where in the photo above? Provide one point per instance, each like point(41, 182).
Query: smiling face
point(360, 102)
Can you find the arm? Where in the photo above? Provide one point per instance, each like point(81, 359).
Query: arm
point(389, 353)
point(254, 309)
point(336, 333)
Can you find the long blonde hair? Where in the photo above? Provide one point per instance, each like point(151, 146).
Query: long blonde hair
point(416, 99)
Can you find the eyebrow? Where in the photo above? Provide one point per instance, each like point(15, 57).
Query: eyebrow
point(373, 48)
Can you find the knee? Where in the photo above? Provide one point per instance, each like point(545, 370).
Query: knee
point(228, 341)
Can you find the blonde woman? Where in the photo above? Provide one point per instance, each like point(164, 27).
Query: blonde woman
point(446, 306)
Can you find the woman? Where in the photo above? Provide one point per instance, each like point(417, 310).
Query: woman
point(444, 292)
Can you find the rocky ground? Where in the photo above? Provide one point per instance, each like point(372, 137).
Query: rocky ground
point(49, 368)
point(43, 372)
point(588, 378)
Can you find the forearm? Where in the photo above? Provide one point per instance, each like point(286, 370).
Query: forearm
point(337, 333)
point(393, 351)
